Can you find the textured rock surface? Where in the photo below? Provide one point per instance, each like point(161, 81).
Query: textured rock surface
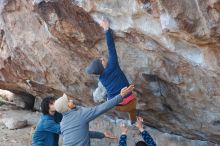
point(169, 49)
point(17, 137)
point(12, 123)
point(22, 100)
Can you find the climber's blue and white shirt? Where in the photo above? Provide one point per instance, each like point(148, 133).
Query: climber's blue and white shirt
point(146, 136)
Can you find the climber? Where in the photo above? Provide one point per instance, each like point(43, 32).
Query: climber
point(48, 128)
point(148, 140)
point(75, 122)
point(111, 75)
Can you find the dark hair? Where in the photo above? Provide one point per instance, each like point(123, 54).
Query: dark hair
point(141, 143)
point(45, 104)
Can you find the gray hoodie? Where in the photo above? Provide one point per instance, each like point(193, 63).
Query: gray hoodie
point(75, 123)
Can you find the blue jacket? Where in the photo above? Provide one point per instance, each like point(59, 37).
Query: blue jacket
point(146, 136)
point(75, 123)
point(112, 78)
point(47, 130)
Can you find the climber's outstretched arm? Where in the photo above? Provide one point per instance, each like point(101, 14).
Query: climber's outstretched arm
point(112, 54)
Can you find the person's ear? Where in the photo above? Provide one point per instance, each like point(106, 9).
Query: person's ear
point(71, 105)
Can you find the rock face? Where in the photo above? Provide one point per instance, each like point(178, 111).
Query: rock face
point(169, 49)
point(22, 100)
point(18, 137)
point(12, 123)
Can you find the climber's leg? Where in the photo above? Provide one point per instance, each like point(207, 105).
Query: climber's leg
point(130, 107)
point(132, 111)
point(132, 116)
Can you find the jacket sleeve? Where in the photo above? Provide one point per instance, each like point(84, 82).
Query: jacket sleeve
point(89, 114)
point(52, 126)
point(95, 134)
point(148, 139)
point(122, 141)
point(112, 54)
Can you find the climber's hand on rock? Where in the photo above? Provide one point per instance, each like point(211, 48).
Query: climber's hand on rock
point(104, 23)
point(109, 135)
point(126, 90)
point(124, 129)
point(139, 124)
